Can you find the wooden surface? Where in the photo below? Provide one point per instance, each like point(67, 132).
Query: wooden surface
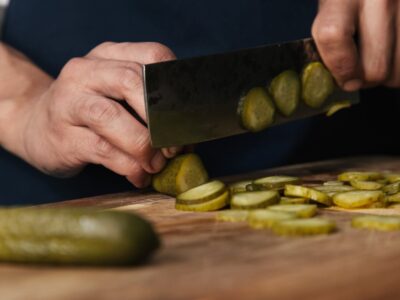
point(205, 259)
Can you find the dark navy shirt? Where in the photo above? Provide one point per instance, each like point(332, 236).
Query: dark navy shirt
point(52, 32)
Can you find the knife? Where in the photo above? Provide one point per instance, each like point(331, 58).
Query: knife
point(195, 100)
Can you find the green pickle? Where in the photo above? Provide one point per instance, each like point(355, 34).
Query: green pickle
point(256, 110)
point(74, 236)
point(317, 84)
point(285, 89)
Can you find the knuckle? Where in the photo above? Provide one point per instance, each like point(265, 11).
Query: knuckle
point(103, 47)
point(343, 67)
point(159, 52)
point(129, 78)
point(328, 34)
point(74, 66)
point(103, 148)
point(143, 148)
point(102, 112)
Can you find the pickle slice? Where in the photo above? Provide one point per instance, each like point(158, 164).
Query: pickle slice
point(285, 89)
point(233, 215)
point(256, 110)
point(333, 189)
point(304, 227)
point(306, 192)
point(333, 183)
point(274, 182)
point(383, 223)
point(300, 210)
point(202, 193)
point(264, 218)
point(366, 185)
point(357, 199)
point(392, 177)
point(392, 188)
point(395, 198)
point(336, 106)
point(180, 174)
point(292, 200)
point(251, 200)
point(349, 176)
point(211, 205)
point(317, 84)
point(239, 187)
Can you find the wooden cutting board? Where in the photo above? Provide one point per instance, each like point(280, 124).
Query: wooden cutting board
point(202, 258)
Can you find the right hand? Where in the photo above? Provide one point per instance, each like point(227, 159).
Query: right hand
point(74, 121)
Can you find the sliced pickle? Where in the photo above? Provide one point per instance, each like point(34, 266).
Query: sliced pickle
point(366, 185)
point(211, 205)
point(317, 84)
point(256, 110)
point(300, 210)
point(303, 227)
point(264, 218)
point(395, 198)
point(392, 177)
point(309, 193)
point(202, 193)
point(383, 223)
point(251, 200)
point(336, 106)
point(274, 182)
point(285, 89)
point(180, 174)
point(349, 176)
point(392, 188)
point(333, 183)
point(233, 215)
point(357, 199)
point(293, 200)
point(333, 189)
point(239, 187)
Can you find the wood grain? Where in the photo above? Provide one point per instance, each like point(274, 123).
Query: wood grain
point(202, 258)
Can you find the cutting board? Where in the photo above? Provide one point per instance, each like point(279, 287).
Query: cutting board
point(202, 258)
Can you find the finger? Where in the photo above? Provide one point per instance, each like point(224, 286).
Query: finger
point(110, 120)
point(171, 151)
point(114, 79)
point(376, 39)
point(143, 53)
point(333, 31)
point(95, 149)
point(394, 76)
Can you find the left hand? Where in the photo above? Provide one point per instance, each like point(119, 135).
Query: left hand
point(376, 58)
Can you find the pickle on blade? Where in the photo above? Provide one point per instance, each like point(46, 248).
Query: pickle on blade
point(357, 199)
point(274, 182)
point(202, 193)
point(252, 200)
point(210, 205)
point(233, 215)
point(79, 236)
point(301, 227)
point(180, 174)
point(285, 89)
point(264, 218)
point(293, 200)
point(366, 185)
point(392, 188)
point(239, 187)
point(256, 110)
point(336, 106)
point(300, 210)
point(307, 192)
point(317, 84)
point(355, 175)
point(377, 222)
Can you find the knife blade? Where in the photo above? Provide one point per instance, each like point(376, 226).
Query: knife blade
point(195, 100)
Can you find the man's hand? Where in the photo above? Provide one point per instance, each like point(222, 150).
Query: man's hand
point(376, 58)
point(76, 119)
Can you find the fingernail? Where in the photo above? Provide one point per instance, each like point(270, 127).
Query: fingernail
point(174, 150)
point(352, 85)
point(158, 161)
